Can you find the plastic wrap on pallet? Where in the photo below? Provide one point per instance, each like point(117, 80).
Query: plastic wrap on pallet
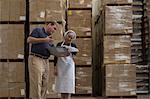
point(47, 10)
point(120, 79)
point(80, 3)
point(117, 2)
point(118, 20)
point(117, 49)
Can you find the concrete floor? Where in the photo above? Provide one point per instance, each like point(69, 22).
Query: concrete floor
point(139, 97)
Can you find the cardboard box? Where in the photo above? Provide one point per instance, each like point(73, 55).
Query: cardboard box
point(11, 80)
point(117, 49)
point(12, 40)
point(83, 80)
point(16, 72)
point(4, 30)
point(3, 73)
point(122, 72)
point(118, 20)
point(120, 88)
point(16, 89)
point(12, 72)
point(84, 56)
point(79, 18)
point(120, 79)
point(4, 10)
point(12, 10)
point(4, 91)
point(80, 22)
point(47, 10)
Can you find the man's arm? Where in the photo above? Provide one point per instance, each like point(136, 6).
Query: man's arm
point(39, 40)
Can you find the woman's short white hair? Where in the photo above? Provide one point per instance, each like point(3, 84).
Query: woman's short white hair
point(70, 31)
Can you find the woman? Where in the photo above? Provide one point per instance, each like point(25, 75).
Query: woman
point(64, 67)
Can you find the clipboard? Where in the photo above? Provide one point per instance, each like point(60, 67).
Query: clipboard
point(71, 49)
point(59, 51)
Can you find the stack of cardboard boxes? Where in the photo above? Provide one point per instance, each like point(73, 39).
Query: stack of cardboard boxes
point(12, 83)
point(120, 74)
point(79, 20)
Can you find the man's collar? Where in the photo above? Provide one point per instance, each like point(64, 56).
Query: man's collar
point(45, 31)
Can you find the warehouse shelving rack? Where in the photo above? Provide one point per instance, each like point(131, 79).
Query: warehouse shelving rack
point(137, 55)
point(143, 71)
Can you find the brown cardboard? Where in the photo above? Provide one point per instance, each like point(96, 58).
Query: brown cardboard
point(117, 49)
point(46, 10)
point(79, 18)
point(3, 73)
point(16, 72)
point(15, 89)
point(120, 79)
point(4, 10)
point(4, 41)
point(84, 56)
point(12, 41)
point(16, 39)
point(4, 89)
point(12, 10)
point(83, 80)
point(118, 20)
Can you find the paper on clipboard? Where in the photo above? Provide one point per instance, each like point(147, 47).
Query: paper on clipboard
point(59, 51)
point(71, 49)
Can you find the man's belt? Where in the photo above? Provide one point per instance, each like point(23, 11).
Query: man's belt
point(38, 55)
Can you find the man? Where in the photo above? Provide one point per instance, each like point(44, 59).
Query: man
point(41, 40)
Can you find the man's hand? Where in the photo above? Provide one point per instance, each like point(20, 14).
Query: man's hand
point(49, 39)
